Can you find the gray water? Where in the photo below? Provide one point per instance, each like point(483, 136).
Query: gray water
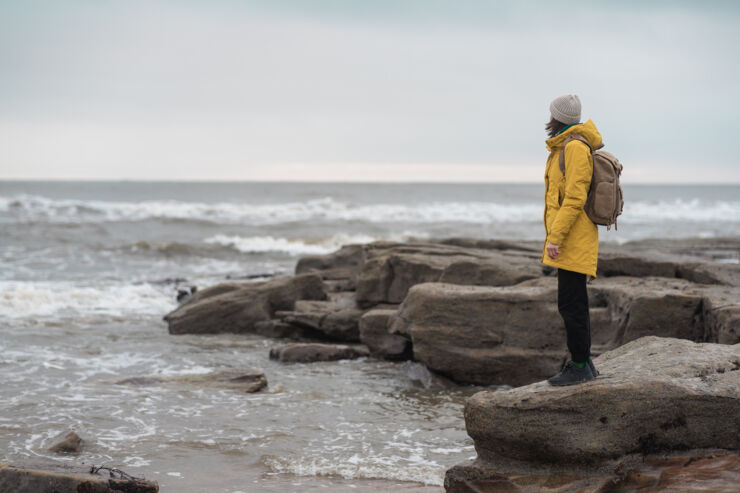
point(89, 269)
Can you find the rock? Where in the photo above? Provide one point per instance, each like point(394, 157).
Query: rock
point(679, 260)
point(278, 329)
point(342, 265)
point(66, 442)
point(310, 352)
point(696, 471)
point(525, 246)
point(639, 307)
point(669, 308)
point(485, 335)
point(41, 476)
point(656, 394)
point(721, 315)
point(381, 343)
point(248, 381)
point(336, 319)
point(390, 269)
point(237, 307)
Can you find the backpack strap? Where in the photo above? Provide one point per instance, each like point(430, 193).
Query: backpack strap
point(571, 138)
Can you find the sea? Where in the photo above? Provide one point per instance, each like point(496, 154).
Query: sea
point(89, 269)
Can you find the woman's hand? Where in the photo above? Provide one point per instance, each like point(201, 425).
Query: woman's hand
point(552, 250)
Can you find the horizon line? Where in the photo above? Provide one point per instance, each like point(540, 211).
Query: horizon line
point(338, 182)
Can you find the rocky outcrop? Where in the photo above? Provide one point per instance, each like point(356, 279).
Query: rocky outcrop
point(68, 442)
point(654, 394)
point(374, 333)
point(514, 335)
point(311, 352)
point(41, 476)
point(390, 269)
point(238, 307)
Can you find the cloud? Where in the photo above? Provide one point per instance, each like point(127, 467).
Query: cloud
point(149, 89)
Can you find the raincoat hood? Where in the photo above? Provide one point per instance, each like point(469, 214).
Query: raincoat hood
point(588, 130)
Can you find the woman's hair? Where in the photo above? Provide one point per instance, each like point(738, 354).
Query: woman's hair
point(553, 127)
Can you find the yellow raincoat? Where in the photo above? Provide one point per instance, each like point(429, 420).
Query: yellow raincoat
point(566, 223)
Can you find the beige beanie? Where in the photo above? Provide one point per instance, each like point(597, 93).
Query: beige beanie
point(566, 109)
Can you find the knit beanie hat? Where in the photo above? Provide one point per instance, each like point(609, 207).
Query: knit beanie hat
point(566, 109)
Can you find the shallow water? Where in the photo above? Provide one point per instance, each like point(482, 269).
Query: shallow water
point(89, 269)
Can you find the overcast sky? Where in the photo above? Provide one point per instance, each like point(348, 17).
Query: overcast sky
point(408, 90)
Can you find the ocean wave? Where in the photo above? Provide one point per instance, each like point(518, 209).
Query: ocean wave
point(30, 208)
point(300, 246)
point(66, 299)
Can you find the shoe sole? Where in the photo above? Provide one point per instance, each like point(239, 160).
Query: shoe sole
point(570, 383)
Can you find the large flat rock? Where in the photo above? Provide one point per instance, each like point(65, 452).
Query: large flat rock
point(238, 307)
point(655, 394)
point(485, 335)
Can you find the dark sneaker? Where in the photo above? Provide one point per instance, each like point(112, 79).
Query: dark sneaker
point(594, 371)
point(571, 375)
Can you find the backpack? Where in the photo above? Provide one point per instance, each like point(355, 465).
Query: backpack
point(604, 201)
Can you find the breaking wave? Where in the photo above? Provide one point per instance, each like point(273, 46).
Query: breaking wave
point(300, 246)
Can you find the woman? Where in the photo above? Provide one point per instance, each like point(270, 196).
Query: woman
point(572, 239)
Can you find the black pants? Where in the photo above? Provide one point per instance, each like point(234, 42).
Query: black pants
point(573, 307)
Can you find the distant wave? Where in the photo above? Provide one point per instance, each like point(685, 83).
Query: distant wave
point(34, 208)
point(26, 208)
point(299, 246)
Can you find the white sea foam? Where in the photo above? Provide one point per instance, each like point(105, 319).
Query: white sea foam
point(42, 299)
point(411, 468)
point(300, 246)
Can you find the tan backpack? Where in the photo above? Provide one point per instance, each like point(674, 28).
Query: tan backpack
point(604, 202)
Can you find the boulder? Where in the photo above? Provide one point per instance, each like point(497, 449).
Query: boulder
point(721, 315)
point(693, 259)
point(238, 307)
point(381, 343)
point(390, 269)
point(311, 352)
point(340, 267)
point(43, 476)
point(639, 307)
point(666, 307)
point(655, 394)
point(485, 335)
point(278, 329)
point(68, 442)
point(336, 319)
